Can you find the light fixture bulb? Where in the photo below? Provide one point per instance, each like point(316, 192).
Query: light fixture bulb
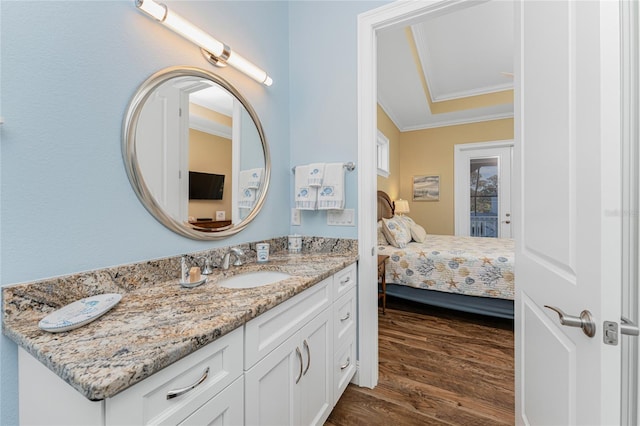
point(222, 53)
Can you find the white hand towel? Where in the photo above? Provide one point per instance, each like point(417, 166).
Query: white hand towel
point(306, 197)
point(316, 173)
point(246, 194)
point(331, 193)
point(247, 198)
point(254, 179)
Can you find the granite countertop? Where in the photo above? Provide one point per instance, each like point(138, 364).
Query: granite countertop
point(155, 323)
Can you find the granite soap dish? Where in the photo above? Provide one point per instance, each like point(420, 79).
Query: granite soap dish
point(79, 313)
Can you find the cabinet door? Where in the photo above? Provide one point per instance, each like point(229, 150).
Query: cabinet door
point(316, 344)
point(225, 409)
point(271, 392)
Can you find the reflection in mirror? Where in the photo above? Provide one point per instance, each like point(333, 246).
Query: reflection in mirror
point(195, 153)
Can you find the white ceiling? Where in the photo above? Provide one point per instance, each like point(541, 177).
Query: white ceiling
point(464, 53)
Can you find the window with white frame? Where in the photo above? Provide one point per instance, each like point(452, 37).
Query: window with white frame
point(382, 154)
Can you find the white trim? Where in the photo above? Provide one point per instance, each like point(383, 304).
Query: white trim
point(456, 122)
point(442, 123)
point(396, 13)
point(202, 124)
point(630, 397)
point(382, 154)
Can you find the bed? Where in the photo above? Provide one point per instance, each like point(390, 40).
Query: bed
point(469, 274)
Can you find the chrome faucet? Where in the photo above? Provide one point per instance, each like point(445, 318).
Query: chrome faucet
point(237, 252)
point(207, 265)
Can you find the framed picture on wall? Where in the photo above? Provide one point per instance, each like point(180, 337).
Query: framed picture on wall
point(426, 188)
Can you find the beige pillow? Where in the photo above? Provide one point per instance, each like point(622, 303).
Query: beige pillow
point(382, 240)
point(397, 232)
point(418, 233)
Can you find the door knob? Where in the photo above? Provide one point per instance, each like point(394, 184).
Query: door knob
point(584, 321)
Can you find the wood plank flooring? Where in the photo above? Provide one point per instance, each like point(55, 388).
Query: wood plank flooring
point(437, 367)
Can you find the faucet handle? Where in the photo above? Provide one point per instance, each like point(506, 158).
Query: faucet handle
point(208, 266)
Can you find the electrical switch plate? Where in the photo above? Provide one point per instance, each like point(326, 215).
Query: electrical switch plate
point(344, 217)
point(295, 217)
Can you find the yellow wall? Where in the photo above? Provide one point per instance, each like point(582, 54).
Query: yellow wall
point(391, 184)
point(210, 154)
point(430, 152)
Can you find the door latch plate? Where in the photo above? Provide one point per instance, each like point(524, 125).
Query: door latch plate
point(610, 335)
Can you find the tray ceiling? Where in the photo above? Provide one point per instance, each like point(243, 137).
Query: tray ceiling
point(453, 69)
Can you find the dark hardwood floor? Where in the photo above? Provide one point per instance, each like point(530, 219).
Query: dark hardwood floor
point(437, 367)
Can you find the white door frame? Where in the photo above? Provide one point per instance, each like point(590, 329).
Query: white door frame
point(393, 14)
point(461, 184)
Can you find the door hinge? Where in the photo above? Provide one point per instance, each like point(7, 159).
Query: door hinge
point(179, 112)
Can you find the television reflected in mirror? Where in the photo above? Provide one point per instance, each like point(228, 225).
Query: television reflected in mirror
point(205, 186)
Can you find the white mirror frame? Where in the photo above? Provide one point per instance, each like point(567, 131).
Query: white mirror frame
point(132, 166)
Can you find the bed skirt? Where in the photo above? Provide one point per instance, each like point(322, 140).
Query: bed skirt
point(500, 308)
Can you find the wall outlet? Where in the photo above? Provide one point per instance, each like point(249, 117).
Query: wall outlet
point(344, 217)
point(296, 219)
point(220, 215)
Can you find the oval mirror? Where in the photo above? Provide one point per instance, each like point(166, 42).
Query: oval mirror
point(195, 153)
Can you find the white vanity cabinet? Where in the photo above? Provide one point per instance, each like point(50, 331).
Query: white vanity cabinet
point(299, 381)
point(46, 399)
point(292, 384)
point(287, 366)
point(288, 358)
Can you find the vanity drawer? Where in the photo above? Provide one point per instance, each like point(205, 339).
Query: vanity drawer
point(147, 403)
point(344, 280)
point(265, 332)
point(344, 317)
point(344, 366)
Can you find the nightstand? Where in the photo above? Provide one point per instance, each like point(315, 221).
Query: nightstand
point(382, 282)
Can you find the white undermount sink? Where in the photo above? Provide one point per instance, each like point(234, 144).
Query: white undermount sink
point(253, 279)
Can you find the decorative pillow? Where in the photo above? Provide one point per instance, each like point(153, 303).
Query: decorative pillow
point(418, 233)
point(382, 240)
point(397, 232)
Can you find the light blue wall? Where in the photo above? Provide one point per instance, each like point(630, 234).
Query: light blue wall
point(68, 70)
point(323, 93)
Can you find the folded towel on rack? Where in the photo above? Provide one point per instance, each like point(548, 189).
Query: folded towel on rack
point(306, 197)
point(253, 177)
point(247, 198)
point(331, 193)
point(246, 190)
point(316, 173)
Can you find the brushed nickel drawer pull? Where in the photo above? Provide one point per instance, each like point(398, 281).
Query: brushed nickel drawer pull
point(299, 359)
point(346, 317)
point(346, 280)
point(342, 367)
point(175, 393)
point(306, 346)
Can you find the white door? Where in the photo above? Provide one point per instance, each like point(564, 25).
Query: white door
point(161, 144)
point(567, 210)
point(483, 189)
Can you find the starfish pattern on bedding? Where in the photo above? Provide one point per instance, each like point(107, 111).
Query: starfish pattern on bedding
point(486, 260)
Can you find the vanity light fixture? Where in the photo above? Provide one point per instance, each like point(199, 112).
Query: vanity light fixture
point(214, 51)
